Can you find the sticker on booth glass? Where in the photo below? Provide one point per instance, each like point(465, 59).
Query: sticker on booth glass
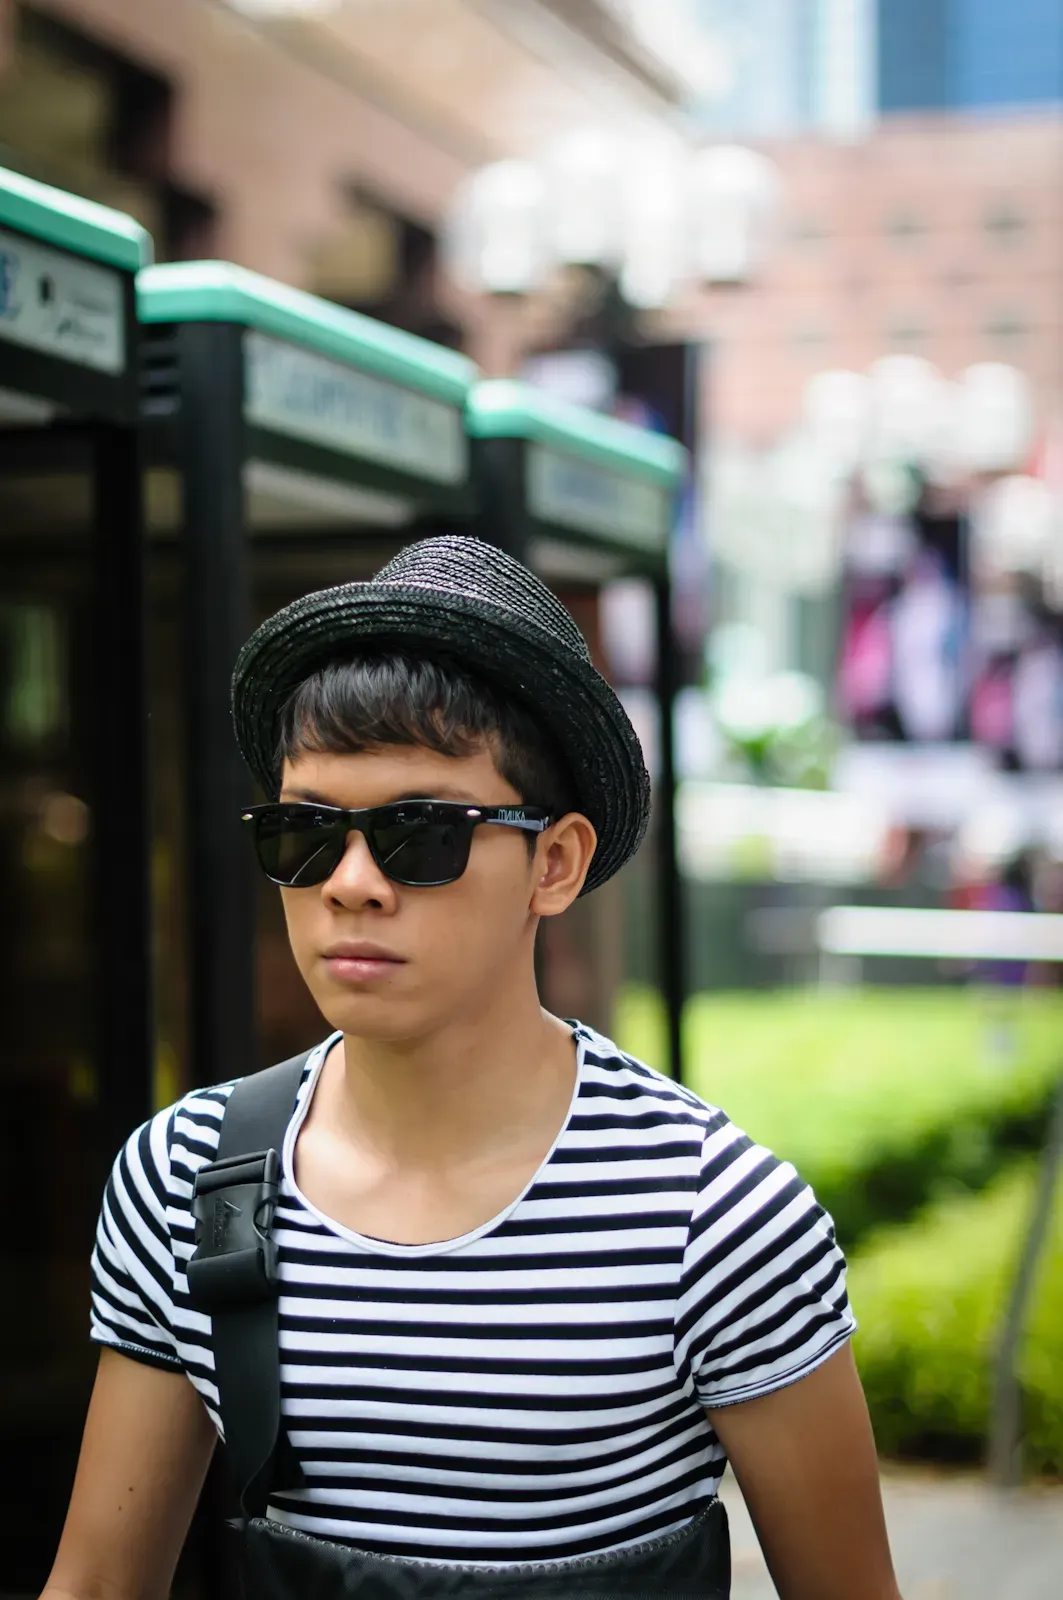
point(60, 305)
point(308, 396)
point(571, 493)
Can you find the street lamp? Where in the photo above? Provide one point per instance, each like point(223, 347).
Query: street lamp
point(496, 238)
point(737, 196)
point(643, 209)
point(904, 412)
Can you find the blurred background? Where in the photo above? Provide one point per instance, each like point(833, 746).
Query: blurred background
point(820, 242)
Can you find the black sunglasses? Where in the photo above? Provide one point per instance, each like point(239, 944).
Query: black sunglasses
point(420, 843)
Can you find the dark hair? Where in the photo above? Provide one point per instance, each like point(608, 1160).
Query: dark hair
point(364, 702)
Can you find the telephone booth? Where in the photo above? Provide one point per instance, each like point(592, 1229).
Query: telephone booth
point(75, 980)
point(292, 444)
point(583, 499)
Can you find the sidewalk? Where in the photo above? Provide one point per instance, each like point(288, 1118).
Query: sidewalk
point(953, 1538)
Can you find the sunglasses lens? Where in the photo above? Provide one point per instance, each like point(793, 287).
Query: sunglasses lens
point(298, 848)
point(299, 845)
point(414, 849)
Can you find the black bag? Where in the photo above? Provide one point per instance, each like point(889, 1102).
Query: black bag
point(233, 1277)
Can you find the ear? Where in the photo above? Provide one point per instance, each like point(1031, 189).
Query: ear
point(562, 861)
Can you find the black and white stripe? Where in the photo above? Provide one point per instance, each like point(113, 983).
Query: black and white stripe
point(532, 1390)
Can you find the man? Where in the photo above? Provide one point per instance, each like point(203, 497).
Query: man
point(530, 1296)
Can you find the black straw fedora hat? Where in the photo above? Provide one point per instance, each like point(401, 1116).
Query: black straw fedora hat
point(466, 601)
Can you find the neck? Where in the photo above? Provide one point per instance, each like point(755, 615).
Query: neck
point(474, 1086)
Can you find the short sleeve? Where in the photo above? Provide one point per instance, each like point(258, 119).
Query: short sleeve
point(132, 1264)
point(762, 1301)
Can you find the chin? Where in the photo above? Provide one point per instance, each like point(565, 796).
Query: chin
point(369, 1016)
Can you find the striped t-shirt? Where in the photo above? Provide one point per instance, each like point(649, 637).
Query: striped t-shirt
point(536, 1388)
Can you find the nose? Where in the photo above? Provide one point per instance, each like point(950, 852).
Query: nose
point(357, 881)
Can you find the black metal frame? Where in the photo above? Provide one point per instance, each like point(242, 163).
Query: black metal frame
point(220, 889)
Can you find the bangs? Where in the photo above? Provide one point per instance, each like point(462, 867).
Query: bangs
point(368, 702)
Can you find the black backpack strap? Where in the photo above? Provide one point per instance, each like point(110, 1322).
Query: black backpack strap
point(233, 1275)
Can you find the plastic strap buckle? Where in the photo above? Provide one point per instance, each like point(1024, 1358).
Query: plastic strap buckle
point(235, 1261)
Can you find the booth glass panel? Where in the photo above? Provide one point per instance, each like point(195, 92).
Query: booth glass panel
point(49, 977)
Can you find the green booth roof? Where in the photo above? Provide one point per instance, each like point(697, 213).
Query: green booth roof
point(217, 291)
point(501, 408)
point(80, 226)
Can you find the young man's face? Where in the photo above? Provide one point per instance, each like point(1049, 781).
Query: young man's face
point(387, 961)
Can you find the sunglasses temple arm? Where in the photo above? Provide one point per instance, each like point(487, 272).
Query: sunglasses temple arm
point(526, 827)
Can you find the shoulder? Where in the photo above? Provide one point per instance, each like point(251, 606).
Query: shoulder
point(639, 1105)
point(193, 1126)
point(761, 1296)
point(627, 1106)
point(184, 1136)
point(639, 1093)
point(160, 1159)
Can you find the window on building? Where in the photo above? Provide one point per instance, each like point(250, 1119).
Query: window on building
point(78, 115)
point(810, 339)
point(907, 334)
point(384, 264)
point(1006, 329)
point(809, 230)
point(905, 227)
point(1004, 222)
point(356, 263)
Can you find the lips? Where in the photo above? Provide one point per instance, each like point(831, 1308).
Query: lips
point(357, 961)
point(360, 950)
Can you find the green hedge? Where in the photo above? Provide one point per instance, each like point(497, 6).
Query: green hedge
point(929, 1296)
point(879, 1097)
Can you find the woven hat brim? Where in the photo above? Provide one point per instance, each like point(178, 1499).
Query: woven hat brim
point(564, 691)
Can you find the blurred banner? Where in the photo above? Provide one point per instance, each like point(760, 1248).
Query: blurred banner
point(1016, 707)
point(940, 642)
point(904, 646)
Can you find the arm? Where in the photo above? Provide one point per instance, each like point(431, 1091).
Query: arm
point(147, 1445)
point(805, 1459)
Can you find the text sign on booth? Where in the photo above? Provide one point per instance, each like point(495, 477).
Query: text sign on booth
point(61, 306)
point(567, 491)
point(308, 396)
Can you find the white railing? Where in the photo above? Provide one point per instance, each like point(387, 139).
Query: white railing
point(946, 935)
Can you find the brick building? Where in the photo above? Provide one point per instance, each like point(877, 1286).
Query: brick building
point(322, 152)
point(325, 151)
point(936, 235)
